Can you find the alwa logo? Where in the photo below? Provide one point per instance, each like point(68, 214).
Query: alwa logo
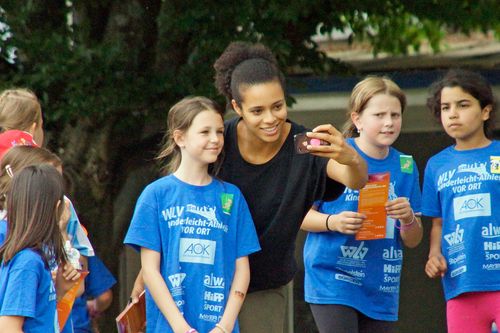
point(211, 281)
point(490, 231)
point(355, 252)
point(456, 237)
point(392, 254)
point(176, 279)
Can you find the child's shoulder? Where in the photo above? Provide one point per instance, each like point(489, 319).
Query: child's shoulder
point(28, 257)
point(226, 186)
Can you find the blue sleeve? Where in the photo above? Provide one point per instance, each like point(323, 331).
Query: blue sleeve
point(247, 240)
point(144, 228)
point(99, 279)
point(416, 195)
point(20, 291)
point(431, 206)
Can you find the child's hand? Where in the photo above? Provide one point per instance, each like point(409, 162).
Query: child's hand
point(347, 222)
point(66, 278)
point(436, 266)
point(400, 209)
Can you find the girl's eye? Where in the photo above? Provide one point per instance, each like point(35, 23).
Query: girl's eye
point(278, 107)
point(256, 111)
point(220, 132)
point(396, 115)
point(464, 105)
point(379, 115)
point(444, 108)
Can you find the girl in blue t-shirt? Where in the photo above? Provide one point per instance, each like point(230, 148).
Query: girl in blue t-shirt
point(27, 292)
point(194, 231)
point(461, 186)
point(353, 285)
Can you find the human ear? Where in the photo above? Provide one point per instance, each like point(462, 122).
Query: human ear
point(355, 120)
point(485, 112)
point(236, 108)
point(178, 137)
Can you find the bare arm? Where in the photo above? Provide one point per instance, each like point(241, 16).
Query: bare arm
point(138, 288)
point(150, 262)
point(345, 166)
point(436, 264)
point(11, 324)
point(411, 226)
point(346, 222)
point(237, 295)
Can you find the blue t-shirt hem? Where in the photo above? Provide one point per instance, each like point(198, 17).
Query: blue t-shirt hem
point(17, 312)
point(373, 315)
point(471, 289)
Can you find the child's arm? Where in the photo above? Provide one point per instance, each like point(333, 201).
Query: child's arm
point(346, 222)
point(237, 295)
point(411, 226)
point(11, 324)
point(436, 265)
point(150, 262)
point(137, 289)
point(99, 304)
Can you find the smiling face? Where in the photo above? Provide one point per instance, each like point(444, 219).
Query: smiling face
point(263, 110)
point(462, 116)
point(379, 123)
point(203, 140)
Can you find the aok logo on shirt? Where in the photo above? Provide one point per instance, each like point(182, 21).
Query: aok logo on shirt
point(198, 251)
point(472, 206)
point(355, 252)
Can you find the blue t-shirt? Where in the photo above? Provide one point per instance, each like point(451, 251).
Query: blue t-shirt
point(461, 187)
point(97, 282)
point(364, 275)
point(199, 231)
point(27, 290)
point(3, 231)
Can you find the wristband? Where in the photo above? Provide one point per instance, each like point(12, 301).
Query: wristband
point(327, 220)
point(191, 330)
point(219, 326)
point(407, 226)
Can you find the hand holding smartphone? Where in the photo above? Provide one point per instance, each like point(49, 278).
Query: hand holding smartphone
point(302, 141)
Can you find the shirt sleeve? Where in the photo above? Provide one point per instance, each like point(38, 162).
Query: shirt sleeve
point(144, 228)
point(247, 240)
point(431, 205)
point(21, 289)
point(99, 279)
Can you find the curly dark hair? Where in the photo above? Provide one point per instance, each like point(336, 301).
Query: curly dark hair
point(470, 82)
point(244, 63)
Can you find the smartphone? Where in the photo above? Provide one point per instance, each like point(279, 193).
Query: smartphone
point(302, 141)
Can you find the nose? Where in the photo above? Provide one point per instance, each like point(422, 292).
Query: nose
point(269, 117)
point(388, 121)
point(452, 112)
point(214, 137)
